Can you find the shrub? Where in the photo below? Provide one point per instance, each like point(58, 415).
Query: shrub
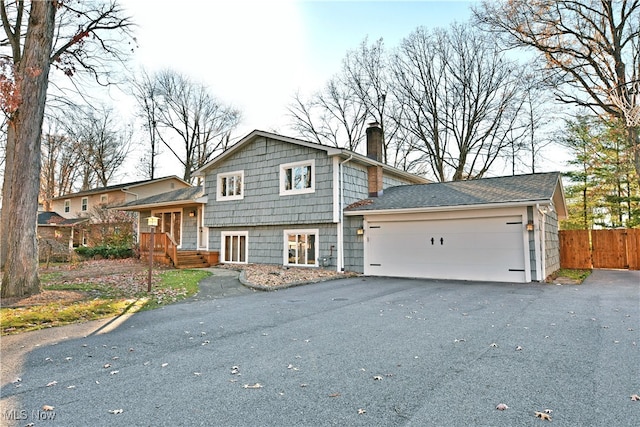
point(107, 252)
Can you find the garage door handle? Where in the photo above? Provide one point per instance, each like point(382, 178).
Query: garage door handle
point(432, 240)
point(442, 241)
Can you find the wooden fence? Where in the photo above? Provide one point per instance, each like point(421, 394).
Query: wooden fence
point(588, 249)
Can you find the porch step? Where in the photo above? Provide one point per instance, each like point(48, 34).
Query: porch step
point(191, 259)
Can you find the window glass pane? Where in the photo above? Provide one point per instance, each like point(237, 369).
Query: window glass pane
point(238, 185)
point(234, 248)
point(243, 248)
point(223, 186)
point(287, 179)
point(293, 250)
point(227, 248)
point(311, 249)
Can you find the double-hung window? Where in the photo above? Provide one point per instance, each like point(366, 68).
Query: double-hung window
point(297, 178)
point(234, 247)
point(84, 204)
point(230, 186)
point(67, 206)
point(301, 247)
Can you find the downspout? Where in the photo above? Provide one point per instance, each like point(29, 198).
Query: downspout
point(340, 265)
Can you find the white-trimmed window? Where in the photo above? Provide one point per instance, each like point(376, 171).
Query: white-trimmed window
point(234, 247)
point(301, 248)
point(67, 206)
point(297, 178)
point(84, 204)
point(230, 186)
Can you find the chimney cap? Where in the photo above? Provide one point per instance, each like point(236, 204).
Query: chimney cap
point(374, 124)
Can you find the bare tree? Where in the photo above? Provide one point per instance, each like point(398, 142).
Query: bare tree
point(190, 114)
point(460, 97)
point(333, 116)
point(76, 41)
point(590, 47)
point(360, 93)
point(146, 92)
point(102, 142)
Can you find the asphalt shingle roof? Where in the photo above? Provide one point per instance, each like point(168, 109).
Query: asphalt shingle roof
point(52, 218)
point(179, 195)
point(502, 190)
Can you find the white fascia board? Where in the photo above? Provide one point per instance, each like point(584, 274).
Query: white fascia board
point(448, 208)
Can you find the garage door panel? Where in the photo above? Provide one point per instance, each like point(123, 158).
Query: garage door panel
point(468, 249)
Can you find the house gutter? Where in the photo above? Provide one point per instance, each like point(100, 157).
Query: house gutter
point(365, 212)
point(340, 266)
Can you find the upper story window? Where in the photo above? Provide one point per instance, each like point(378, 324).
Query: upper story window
point(297, 178)
point(230, 186)
point(84, 206)
point(104, 198)
point(67, 206)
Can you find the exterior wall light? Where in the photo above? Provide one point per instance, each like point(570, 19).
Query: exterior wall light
point(530, 226)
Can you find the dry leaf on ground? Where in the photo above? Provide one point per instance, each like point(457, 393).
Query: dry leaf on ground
point(543, 416)
point(502, 407)
point(256, 385)
point(635, 397)
point(115, 411)
point(47, 408)
point(361, 411)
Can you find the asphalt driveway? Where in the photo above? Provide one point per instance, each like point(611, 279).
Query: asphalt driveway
point(361, 351)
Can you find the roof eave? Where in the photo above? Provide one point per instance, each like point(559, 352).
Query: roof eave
point(159, 205)
point(448, 208)
point(260, 133)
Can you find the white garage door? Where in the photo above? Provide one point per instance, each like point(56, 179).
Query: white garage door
point(464, 249)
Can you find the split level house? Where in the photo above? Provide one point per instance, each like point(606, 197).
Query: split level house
point(273, 199)
point(71, 217)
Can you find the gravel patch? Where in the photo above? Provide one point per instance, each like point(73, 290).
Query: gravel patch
point(271, 277)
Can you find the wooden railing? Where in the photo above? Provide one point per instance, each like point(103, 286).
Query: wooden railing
point(163, 244)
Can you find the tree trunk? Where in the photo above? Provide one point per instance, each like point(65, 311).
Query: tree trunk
point(633, 138)
point(21, 186)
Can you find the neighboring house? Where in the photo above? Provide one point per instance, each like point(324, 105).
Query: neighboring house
point(272, 199)
point(58, 232)
point(497, 229)
point(80, 204)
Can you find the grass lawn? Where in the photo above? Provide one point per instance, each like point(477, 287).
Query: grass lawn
point(65, 301)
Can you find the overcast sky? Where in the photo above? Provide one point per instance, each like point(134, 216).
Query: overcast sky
point(256, 54)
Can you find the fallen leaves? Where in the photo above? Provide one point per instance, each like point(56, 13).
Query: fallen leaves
point(48, 408)
point(116, 411)
point(361, 411)
point(543, 416)
point(334, 395)
point(253, 386)
point(502, 407)
point(635, 397)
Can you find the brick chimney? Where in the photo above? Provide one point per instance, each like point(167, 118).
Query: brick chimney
point(374, 152)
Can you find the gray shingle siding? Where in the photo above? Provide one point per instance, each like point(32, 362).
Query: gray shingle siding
point(552, 243)
point(262, 203)
point(353, 245)
point(532, 246)
point(266, 243)
point(189, 235)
